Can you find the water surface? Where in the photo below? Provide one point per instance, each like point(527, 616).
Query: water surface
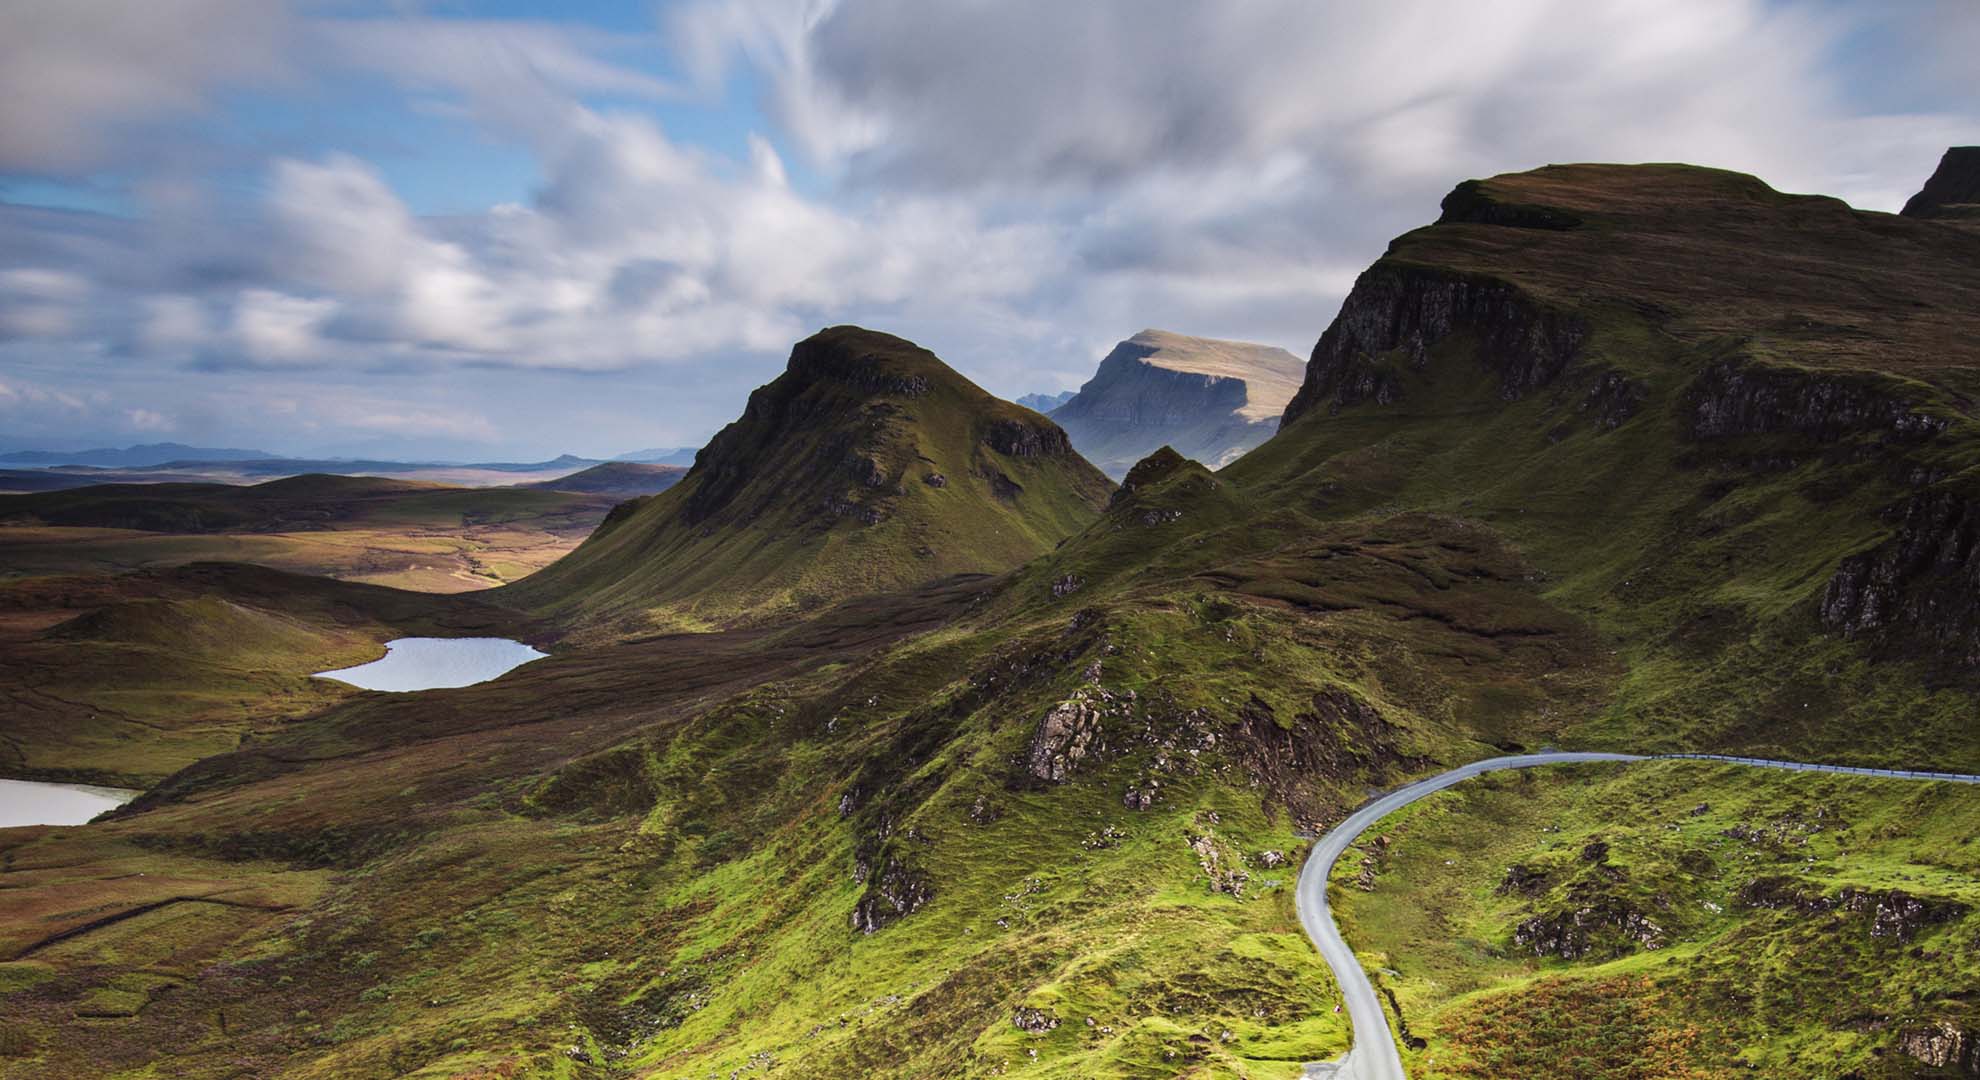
point(427, 663)
point(30, 802)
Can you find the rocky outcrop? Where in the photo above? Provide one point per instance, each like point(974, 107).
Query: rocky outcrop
point(1073, 732)
point(1034, 1021)
point(1921, 587)
point(1605, 925)
point(1339, 737)
point(1943, 1045)
point(1014, 438)
point(1892, 913)
point(1397, 314)
point(1740, 397)
point(896, 891)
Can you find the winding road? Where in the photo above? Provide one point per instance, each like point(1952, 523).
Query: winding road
point(1373, 1054)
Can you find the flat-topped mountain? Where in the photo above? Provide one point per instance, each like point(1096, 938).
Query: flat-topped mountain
point(868, 465)
point(1210, 400)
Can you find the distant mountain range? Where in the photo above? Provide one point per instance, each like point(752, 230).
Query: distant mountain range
point(671, 455)
point(1046, 402)
point(131, 457)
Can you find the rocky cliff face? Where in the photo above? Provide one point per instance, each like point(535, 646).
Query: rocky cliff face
point(1210, 400)
point(1920, 588)
point(1396, 315)
point(1953, 192)
point(1738, 397)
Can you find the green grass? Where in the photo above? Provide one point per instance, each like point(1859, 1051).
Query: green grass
point(1764, 991)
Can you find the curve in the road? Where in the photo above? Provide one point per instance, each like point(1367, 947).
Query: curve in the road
point(1373, 1054)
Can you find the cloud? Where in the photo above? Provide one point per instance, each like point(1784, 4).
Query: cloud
point(149, 420)
point(74, 74)
point(271, 327)
point(40, 303)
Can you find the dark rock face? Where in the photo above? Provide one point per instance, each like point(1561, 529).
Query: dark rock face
point(1953, 190)
point(1608, 925)
point(1736, 397)
point(1943, 1045)
point(1409, 310)
point(1613, 399)
point(1893, 913)
point(1014, 438)
point(1897, 914)
point(1340, 736)
point(893, 893)
point(1920, 587)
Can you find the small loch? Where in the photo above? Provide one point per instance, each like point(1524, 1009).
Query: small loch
point(420, 663)
point(31, 802)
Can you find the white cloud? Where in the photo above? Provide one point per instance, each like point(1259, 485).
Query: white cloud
point(276, 328)
point(37, 302)
point(149, 420)
point(73, 73)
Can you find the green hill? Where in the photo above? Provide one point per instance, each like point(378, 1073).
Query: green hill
point(1728, 425)
point(866, 466)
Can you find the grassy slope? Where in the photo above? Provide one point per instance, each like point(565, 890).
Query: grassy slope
point(822, 490)
point(1732, 988)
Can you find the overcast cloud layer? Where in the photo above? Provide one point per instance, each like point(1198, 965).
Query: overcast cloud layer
point(219, 221)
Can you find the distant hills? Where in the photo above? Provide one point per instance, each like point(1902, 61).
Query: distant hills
point(131, 457)
point(1210, 400)
point(868, 465)
point(682, 456)
point(622, 479)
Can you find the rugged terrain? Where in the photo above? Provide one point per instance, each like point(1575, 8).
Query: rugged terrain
point(1642, 458)
point(1206, 399)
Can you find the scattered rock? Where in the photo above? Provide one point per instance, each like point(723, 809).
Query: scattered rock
point(1943, 1045)
point(1034, 1021)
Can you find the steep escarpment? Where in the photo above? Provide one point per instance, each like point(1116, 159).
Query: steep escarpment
point(1677, 390)
point(1395, 315)
point(1209, 400)
point(868, 465)
point(1953, 192)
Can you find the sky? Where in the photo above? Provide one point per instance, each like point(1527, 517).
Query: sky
point(504, 231)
